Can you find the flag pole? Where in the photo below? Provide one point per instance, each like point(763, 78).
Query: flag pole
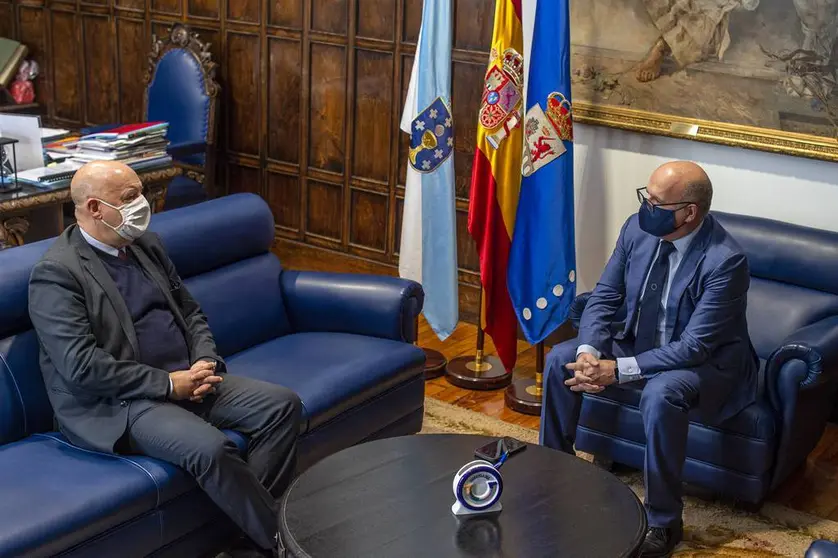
point(478, 371)
point(435, 361)
point(524, 394)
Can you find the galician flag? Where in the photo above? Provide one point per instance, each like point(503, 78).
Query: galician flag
point(496, 175)
point(428, 252)
point(542, 260)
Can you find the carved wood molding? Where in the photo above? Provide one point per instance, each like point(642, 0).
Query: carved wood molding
point(182, 37)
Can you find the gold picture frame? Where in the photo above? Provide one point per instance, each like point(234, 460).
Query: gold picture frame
point(756, 84)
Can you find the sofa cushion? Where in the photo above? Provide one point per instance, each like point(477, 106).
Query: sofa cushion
point(24, 406)
point(210, 235)
point(73, 494)
point(242, 302)
point(58, 495)
point(331, 372)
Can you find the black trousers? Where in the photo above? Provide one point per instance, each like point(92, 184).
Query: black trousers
point(187, 434)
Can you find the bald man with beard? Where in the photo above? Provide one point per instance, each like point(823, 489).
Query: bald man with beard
point(130, 364)
point(683, 283)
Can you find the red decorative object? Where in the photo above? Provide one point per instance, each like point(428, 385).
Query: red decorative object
point(23, 90)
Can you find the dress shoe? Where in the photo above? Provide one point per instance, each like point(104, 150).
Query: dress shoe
point(660, 542)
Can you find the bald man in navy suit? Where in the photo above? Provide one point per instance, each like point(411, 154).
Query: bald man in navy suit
point(683, 282)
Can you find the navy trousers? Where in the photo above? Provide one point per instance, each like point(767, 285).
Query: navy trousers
point(666, 400)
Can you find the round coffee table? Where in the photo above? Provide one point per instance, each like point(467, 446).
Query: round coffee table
point(392, 498)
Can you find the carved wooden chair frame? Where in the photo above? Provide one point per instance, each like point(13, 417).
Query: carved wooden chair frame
point(182, 37)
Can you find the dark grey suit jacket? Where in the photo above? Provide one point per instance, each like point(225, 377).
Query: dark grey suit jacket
point(88, 342)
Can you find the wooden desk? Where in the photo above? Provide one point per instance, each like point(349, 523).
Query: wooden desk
point(32, 214)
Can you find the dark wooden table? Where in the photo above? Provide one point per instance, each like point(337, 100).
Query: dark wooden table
point(392, 498)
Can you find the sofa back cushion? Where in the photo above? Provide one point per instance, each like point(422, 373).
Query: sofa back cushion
point(794, 276)
point(221, 249)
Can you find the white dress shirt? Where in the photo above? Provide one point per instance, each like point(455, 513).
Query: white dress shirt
point(627, 368)
point(111, 251)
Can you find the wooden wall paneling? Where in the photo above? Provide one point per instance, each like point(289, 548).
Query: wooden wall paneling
point(325, 214)
point(286, 13)
point(349, 123)
point(132, 62)
point(243, 81)
point(66, 66)
point(284, 92)
point(412, 21)
point(305, 113)
point(208, 9)
point(247, 11)
point(284, 199)
point(373, 115)
point(138, 6)
point(327, 112)
point(377, 19)
point(368, 227)
point(395, 121)
point(100, 81)
point(32, 31)
point(7, 20)
point(170, 7)
point(330, 16)
point(244, 178)
point(473, 22)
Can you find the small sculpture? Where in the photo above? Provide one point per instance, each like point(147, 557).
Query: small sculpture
point(23, 90)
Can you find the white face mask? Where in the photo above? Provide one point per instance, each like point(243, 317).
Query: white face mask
point(136, 215)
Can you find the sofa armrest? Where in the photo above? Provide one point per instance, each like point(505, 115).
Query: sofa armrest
point(801, 381)
point(372, 305)
point(185, 148)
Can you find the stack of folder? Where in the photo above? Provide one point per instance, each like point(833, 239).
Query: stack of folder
point(130, 144)
point(140, 146)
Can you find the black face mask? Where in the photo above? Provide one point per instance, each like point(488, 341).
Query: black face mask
point(658, 221)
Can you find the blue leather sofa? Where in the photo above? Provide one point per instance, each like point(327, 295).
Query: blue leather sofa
point(793, 323)
point(342, 342)
point(822, 549)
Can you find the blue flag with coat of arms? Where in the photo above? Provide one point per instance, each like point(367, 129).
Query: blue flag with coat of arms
point(428, 251)
point(542, 260)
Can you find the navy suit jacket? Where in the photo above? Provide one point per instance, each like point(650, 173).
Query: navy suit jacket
point(705, 312)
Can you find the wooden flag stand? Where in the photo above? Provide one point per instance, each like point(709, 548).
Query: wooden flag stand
point(478, 371)
point(524, 394)
point(434, 360)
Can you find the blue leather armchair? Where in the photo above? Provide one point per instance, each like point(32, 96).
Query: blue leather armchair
point(342, 342)
point(181, 90)
point(793, 324)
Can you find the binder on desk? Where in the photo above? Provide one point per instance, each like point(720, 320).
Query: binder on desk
point(48, 175)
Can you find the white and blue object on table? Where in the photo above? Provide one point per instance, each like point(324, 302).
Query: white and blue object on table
point(478, 486)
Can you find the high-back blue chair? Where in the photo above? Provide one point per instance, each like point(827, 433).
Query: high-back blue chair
point(181, 90)
point(793, 324)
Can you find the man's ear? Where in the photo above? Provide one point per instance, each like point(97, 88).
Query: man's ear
point(93, 206)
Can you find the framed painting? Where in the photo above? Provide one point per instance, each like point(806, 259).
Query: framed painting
point(751, 73)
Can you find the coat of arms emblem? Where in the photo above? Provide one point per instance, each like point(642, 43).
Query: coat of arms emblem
point(500, 108)
point(545, 132)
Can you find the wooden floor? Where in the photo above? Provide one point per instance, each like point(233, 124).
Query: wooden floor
point(812, 489)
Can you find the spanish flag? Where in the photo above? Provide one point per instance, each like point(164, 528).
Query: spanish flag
point(496, 175)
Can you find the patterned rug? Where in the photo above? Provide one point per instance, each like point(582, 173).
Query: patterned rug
point(711, 528)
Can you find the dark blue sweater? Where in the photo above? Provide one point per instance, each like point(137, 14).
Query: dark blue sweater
point(162, 343)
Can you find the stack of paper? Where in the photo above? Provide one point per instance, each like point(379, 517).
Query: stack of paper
point(133, 143)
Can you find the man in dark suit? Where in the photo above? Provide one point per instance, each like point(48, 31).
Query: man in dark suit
point(683, 282)
point(130, 364)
